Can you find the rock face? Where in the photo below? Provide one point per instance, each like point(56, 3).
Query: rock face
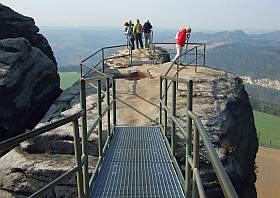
point(220, 100)
point(14, 25)
point(139, 57)
point(29, 83)
point(36, 162)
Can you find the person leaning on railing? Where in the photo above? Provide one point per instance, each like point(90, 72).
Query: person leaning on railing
point(147, 28)
point(181, 37)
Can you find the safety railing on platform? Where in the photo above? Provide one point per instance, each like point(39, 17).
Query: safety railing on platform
point(196, 52)
point(99, 57)
point(80, 157)
point(96, 82)
point(191, 183)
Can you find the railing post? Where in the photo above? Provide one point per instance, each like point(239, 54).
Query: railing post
point(173, 133)
point(81, 70)
point(77, 148)
point(154, 48)
point(195, 161)
point(84, 137)
point(177, 74)
point(196, 59)
point(114, 102)
point(165, 104)
point(189, 140)
point(99, 109)
point(204, 54)
point(185, 56)
point(130, 56)
point(108, 103)
point(160, 98)
point(103, 65)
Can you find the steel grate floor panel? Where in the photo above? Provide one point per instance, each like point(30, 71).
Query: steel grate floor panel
point(137, 164)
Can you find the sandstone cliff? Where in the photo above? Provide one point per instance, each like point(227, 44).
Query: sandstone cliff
point(219, 98)
point(14, 25)
point(29, 82)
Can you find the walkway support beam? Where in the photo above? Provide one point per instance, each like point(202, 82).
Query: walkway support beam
point(99, 109)
point(188, 140)
point(84, 137)
point(173, 132)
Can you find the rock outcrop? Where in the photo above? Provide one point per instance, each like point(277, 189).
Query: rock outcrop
point(29, 83)
point(14, 25)
point(220, 100)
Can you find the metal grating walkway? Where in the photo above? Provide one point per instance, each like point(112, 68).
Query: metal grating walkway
point(137, 164)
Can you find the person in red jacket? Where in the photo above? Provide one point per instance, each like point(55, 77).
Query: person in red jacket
point(181, 37)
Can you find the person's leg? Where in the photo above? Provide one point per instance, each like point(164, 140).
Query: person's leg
point(132, 43)
point(177, 53)
point(137, 41)
point(140, 40)
point(180, 50)
point(148, 40)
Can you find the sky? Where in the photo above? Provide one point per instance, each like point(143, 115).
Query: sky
point(201, 15)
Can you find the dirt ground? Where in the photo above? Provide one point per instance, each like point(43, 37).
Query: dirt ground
point(268, 176)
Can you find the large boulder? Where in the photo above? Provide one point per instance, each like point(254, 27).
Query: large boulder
point(14, 25)
point(29, 83)
point(38, 161)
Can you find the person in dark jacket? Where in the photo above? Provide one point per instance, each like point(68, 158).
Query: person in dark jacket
point(147, 28)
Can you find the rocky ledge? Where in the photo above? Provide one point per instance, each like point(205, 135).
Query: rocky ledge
point(29, 83)
point(219, 99)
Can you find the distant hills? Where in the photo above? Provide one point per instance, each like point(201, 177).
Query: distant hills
point(254, 55)
point(246, 59)
point(271, 39)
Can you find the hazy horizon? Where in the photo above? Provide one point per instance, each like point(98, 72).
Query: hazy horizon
point(158, 29)
point(201, 15)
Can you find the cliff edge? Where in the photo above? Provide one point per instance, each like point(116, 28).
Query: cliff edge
point(219, 99)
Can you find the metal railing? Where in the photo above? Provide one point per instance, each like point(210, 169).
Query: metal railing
point(101, 53)
point(191, 183)
point(110, 105)
point(198, 50)
point(80, 157)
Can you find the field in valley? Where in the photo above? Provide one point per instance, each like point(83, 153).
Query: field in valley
point(268, 172)
point(268, 129)
point(68, 78)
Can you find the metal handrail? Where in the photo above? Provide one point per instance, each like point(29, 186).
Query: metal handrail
point(192, 158)
point(8, 144)
point(219, 169)
point(102, 50)
point(111, 105)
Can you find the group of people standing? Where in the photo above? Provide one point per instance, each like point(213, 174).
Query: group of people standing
point(135, 32)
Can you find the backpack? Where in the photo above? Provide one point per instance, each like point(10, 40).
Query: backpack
point(138, 28)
